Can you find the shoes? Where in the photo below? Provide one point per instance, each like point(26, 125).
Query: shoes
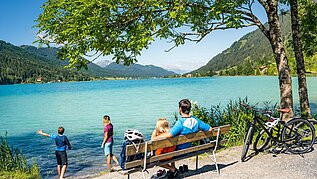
point(173, 174)
point(183, 168)
point(160, 174)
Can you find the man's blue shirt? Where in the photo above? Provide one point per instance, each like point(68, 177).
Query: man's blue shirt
point(188, 125)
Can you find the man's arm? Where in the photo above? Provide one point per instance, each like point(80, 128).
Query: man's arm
point(204, 126)
point(42, 133)
point(104, 139)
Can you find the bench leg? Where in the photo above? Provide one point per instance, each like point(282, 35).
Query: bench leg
point(215, 161)
point(196, 162)
point(128, 176)
point(143, 173)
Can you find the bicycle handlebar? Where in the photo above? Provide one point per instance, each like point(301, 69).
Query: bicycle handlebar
point(255, 110)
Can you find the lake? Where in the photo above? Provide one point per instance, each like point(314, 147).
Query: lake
point(131, 104)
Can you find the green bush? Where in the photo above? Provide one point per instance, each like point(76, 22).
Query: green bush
point(13, 164)
point(234, 114)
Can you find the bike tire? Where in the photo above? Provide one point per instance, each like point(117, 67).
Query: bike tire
point(262, 141)
point(298, 136)
point(247, 142)
point(314, 123)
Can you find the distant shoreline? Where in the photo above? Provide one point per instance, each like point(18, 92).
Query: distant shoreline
point(139, 78)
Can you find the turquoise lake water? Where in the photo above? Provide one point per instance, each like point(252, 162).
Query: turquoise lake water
point(131, 104)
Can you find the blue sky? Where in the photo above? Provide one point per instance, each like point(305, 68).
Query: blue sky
point(17, 18)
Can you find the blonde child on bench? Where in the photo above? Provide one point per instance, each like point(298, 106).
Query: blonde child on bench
point(162, 126)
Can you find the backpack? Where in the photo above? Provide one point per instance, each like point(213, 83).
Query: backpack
point(123, 158)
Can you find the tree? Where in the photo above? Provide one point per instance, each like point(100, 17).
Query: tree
point(308, 17)
point(300, 64)
point(124, 28)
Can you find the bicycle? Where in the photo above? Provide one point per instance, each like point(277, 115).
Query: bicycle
point(262, 140)
point(297, 135)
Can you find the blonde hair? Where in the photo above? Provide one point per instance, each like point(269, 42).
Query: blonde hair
point(162, 126)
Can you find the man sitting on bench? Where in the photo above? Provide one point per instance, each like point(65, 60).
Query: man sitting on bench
point(185, 125)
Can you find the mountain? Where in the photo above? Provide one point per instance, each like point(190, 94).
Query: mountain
point(103, 63)
point(28, 64)
point(104, 68)
point(137, 70)
point(247, 55)
point(17, 65)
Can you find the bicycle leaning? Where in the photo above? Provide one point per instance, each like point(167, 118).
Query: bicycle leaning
point(297, 135)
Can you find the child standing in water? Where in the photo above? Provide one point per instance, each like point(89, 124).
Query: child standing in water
point(61, 142)
point(162, 126)
point(107, 142)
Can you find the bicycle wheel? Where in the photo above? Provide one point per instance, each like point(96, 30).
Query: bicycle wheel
point(298, 136)
point(247, 142)
point(314, 123)
point(262, 141)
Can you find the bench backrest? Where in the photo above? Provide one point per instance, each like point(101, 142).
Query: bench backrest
point(149, 146)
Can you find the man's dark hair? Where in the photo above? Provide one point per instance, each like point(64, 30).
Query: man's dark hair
point(185, 106)
point(106, 117)
point(61, 130)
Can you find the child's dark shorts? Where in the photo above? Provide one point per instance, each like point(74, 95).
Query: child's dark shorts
point(61, 157)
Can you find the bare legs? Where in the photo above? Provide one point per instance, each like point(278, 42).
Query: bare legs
point(61, 171)
point(114, 158)
point(171, 167)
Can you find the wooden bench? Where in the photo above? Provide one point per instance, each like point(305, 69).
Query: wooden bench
point(149, 146)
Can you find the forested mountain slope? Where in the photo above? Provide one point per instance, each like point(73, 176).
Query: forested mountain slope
point(28, 64)
point(252, 55)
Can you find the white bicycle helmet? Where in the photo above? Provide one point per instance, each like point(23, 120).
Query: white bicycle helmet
point(132, 134)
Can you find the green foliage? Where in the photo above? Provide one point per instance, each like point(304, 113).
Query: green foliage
point(234, 114)
point(13, 164)
point(124, 28)
point(308, 18)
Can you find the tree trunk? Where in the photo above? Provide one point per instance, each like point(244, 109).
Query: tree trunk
point(301, 72)
point(275, 38)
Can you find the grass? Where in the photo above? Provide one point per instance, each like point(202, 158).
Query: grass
point(13, 164)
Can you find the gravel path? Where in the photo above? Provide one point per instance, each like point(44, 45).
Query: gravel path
point(263, 165)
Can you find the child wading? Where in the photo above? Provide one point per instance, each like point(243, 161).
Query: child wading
point(107, 142)
point(61, 142)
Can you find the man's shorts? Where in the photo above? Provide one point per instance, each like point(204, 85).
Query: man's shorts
point(108, 148)
point(61, 157)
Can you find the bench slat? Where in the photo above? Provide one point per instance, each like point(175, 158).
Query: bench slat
point(160, 163)
point(172, 154)
point(163, 143)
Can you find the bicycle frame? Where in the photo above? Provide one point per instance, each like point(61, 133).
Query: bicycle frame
point(278, 139)
point(259, 121)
